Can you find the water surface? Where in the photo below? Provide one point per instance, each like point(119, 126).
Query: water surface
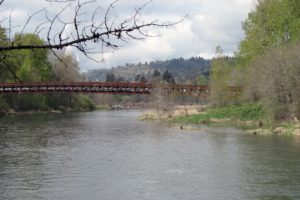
point(111, 155)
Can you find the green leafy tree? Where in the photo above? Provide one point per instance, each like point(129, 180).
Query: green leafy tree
point(3, 69)
point(30, 65)
point(27, 66)
point(202, 80)
point(3, 56)
point(273, 23)
point(268, 56)
point(223, 74)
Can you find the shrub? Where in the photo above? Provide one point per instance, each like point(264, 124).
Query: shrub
point(273, 79)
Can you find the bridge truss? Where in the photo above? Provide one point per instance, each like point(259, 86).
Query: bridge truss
point(106, 88)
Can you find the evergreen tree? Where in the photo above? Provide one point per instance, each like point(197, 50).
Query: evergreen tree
point(142, 79)
point(156, 73)
point(168, 77)
point(110, 77)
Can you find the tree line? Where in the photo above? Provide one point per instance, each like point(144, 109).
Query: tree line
point(38, 65)
point(266, 65)
point(194, 70)
point(156, 77)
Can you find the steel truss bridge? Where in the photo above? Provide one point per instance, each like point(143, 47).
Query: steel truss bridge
point(106, 88)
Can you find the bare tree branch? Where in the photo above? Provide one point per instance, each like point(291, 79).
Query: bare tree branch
point(105, 33)
point(58, 58)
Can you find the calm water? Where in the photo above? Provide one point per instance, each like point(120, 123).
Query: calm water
point(113, 156)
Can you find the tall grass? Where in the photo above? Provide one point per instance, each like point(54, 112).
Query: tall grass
point(253, 112)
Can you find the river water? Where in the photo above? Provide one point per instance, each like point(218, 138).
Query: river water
point(113, 156)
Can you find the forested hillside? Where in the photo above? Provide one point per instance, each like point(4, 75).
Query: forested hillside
point(182, 70)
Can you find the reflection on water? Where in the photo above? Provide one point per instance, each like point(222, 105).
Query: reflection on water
point(112, 155)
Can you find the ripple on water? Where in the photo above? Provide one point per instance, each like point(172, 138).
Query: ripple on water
point(112, 155)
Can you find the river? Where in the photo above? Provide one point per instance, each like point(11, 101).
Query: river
point(113, 156)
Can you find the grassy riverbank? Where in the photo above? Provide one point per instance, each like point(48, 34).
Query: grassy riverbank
point(252, 117)
point(248, 112)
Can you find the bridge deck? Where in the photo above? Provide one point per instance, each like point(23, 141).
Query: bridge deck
point(106, 88)
point(102, 87)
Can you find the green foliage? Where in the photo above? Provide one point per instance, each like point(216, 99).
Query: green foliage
point(30, 65)
point(202, 80)
point(4, 107)
point(102, 107)
point(3, 38)
point(289, 127)
point(30, 102)
point(273, 23)
point(83, 103)
point(26, 66)
point(267, 61)
point(252, 112)
point(223, 73)
point(35, 66)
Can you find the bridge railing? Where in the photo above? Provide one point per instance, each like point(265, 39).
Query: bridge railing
point(106, 87)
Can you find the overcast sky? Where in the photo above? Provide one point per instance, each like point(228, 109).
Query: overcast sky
point(210, 23)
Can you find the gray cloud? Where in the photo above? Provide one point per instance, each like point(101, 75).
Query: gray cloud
point(210, 23)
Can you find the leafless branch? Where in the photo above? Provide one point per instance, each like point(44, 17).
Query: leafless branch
point(58, 58)
point(100, 34)
point(29, 19)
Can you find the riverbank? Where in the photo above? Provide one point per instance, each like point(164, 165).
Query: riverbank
point(63, 109)
point(250, 117)
point(59, 110)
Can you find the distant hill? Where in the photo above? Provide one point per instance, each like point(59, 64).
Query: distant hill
point(183, 70)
